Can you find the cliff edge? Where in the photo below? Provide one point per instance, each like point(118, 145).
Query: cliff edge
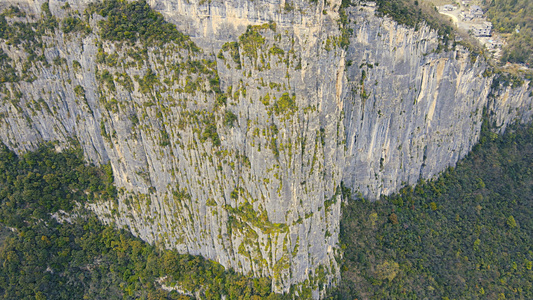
point(230, 137)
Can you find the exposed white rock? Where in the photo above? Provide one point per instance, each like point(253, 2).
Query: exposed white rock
point(385, 111)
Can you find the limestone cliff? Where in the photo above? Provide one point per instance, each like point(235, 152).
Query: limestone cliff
point(233, 145)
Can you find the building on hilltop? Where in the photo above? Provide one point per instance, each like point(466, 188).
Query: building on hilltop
point(494, 44)
point(449, 7)
point(479, 30)
point(466, 16)
point(476, 11)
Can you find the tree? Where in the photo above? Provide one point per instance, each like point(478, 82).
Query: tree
point(387, 270)
point(511, 222)
point(393, 218)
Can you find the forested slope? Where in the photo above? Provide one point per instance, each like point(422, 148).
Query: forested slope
point(235, 150)
point(515, 18)
point(80, 258)
point(465, 235)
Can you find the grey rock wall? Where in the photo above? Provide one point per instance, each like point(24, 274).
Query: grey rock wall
point(237, 153)
point(413, 111)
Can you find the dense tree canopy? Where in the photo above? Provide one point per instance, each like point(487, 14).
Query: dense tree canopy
point(514, 17)
point(467, 234)
point(80, 258)
point(137, 21)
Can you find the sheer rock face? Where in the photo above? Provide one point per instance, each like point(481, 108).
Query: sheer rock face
point(237, 152)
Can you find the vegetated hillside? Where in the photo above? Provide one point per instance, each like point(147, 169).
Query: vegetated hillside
point(236, 155)
point(465, 235)
point(81, 258)
point(515, 18)
point(413, 13)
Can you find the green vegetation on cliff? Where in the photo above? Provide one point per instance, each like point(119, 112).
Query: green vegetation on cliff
point(27, 36)
point(414, 14)
point(515, 19)
point(80, 258)
point(137, 21)
point(467, 234)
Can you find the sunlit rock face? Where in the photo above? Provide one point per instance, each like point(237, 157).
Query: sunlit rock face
point(235, 149)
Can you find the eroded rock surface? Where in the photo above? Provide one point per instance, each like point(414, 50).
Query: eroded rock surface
point(236, 151)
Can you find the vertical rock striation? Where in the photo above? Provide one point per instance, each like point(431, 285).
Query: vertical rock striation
point(413, 111)
point(235, 147)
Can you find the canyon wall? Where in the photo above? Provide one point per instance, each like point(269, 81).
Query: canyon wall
point(233, 144)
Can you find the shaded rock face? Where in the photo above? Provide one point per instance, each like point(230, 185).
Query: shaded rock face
point(237, 151)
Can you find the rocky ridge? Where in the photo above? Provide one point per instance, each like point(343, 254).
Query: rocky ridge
point(235, 147)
